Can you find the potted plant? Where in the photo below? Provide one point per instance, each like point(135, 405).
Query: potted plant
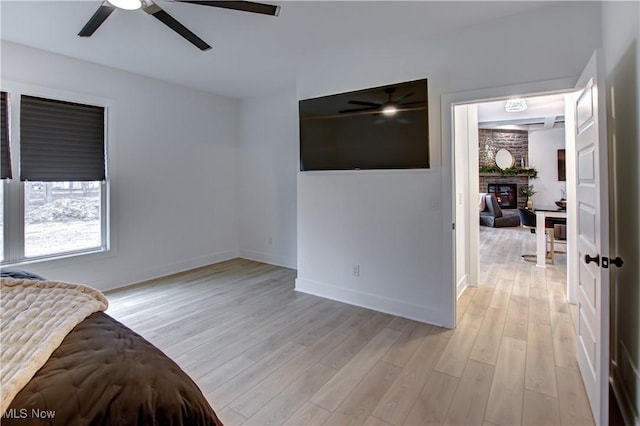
point(527, 191)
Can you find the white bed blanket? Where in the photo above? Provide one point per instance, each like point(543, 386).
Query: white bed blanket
point(481, 201)
point(35, 316)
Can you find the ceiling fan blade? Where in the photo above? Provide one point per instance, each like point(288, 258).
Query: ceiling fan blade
point(363, 111)
point(176, 26)
point(365, 103)
point(243, 6)
point(345, 111)
point(96, 20)
point(408, 95)
point(408, 104)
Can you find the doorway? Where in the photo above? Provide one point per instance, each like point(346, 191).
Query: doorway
point(524, 305)
point(468, 114)
point(522, 161)
point(587, 141)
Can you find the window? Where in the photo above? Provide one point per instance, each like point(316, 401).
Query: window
point(61, 217)
point(63, 181)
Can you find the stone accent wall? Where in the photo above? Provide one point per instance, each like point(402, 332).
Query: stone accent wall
point(491, 140)
point(517, 142)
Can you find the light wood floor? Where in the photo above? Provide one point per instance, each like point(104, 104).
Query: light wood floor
point(264, 354)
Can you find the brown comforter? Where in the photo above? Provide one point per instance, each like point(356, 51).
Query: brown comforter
point(105, 374)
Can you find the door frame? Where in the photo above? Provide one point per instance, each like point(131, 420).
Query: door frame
point(448, 102)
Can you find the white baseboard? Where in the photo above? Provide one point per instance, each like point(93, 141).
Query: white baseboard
point(134, 276)
point(624, 376)
point(270, 258)
point(462, 285)
point(371, 301)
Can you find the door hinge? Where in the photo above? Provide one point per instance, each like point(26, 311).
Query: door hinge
point(453, 226)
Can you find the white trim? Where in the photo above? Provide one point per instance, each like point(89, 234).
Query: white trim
point(14, 189)
point(57, 94)
point(462, 285)
point(57, 256)
point(270, 258)
point(133, 275)
point(370, 301)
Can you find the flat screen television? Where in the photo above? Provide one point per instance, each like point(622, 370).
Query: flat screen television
point(384, 127)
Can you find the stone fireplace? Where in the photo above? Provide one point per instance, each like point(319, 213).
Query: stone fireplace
point(517, 142)
point(506, 194)
point(519, 181)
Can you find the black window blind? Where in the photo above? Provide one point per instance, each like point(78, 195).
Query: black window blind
point(5, 157)
point(61, 141)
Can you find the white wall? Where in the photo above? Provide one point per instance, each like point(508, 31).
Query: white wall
point(266, 175)
point(172, 158)
point(379, 221)
point(543, 152)
point(397, 226)
point(621, 41)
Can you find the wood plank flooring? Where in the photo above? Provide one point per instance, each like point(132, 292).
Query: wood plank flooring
point(266, 355)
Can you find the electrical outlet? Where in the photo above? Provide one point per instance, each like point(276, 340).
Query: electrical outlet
point(356, 270)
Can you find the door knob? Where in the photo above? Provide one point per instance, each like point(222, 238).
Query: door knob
point(589, 259)
point(615, 262)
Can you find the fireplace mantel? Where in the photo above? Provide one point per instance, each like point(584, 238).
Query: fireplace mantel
point(512, 171)
point(525, 175)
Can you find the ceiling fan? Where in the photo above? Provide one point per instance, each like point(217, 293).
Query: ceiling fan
point(149, 6)
point(389, 107)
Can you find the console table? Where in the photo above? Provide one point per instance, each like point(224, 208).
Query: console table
point(541, 237)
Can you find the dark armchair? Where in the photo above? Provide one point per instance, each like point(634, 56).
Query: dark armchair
point(494, 216)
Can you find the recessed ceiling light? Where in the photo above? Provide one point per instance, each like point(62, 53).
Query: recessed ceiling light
point(126, 4)
point(515, 105)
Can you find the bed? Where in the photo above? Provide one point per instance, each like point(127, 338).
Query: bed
point(66, 362)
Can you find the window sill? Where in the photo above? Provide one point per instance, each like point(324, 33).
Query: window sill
point(64, 258)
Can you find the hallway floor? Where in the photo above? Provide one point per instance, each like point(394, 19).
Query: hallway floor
point(527, 332)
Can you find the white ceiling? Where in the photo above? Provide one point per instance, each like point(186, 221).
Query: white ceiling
point(541, 109)
point(252, 54)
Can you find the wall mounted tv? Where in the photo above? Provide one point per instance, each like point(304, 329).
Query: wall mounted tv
point(383, 127)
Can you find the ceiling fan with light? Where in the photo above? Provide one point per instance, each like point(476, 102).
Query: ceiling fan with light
point(389, 107)
point(149, 6)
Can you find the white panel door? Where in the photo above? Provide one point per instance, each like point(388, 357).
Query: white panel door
point(593, 238)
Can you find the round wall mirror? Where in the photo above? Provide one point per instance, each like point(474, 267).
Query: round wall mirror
point(504, 159)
